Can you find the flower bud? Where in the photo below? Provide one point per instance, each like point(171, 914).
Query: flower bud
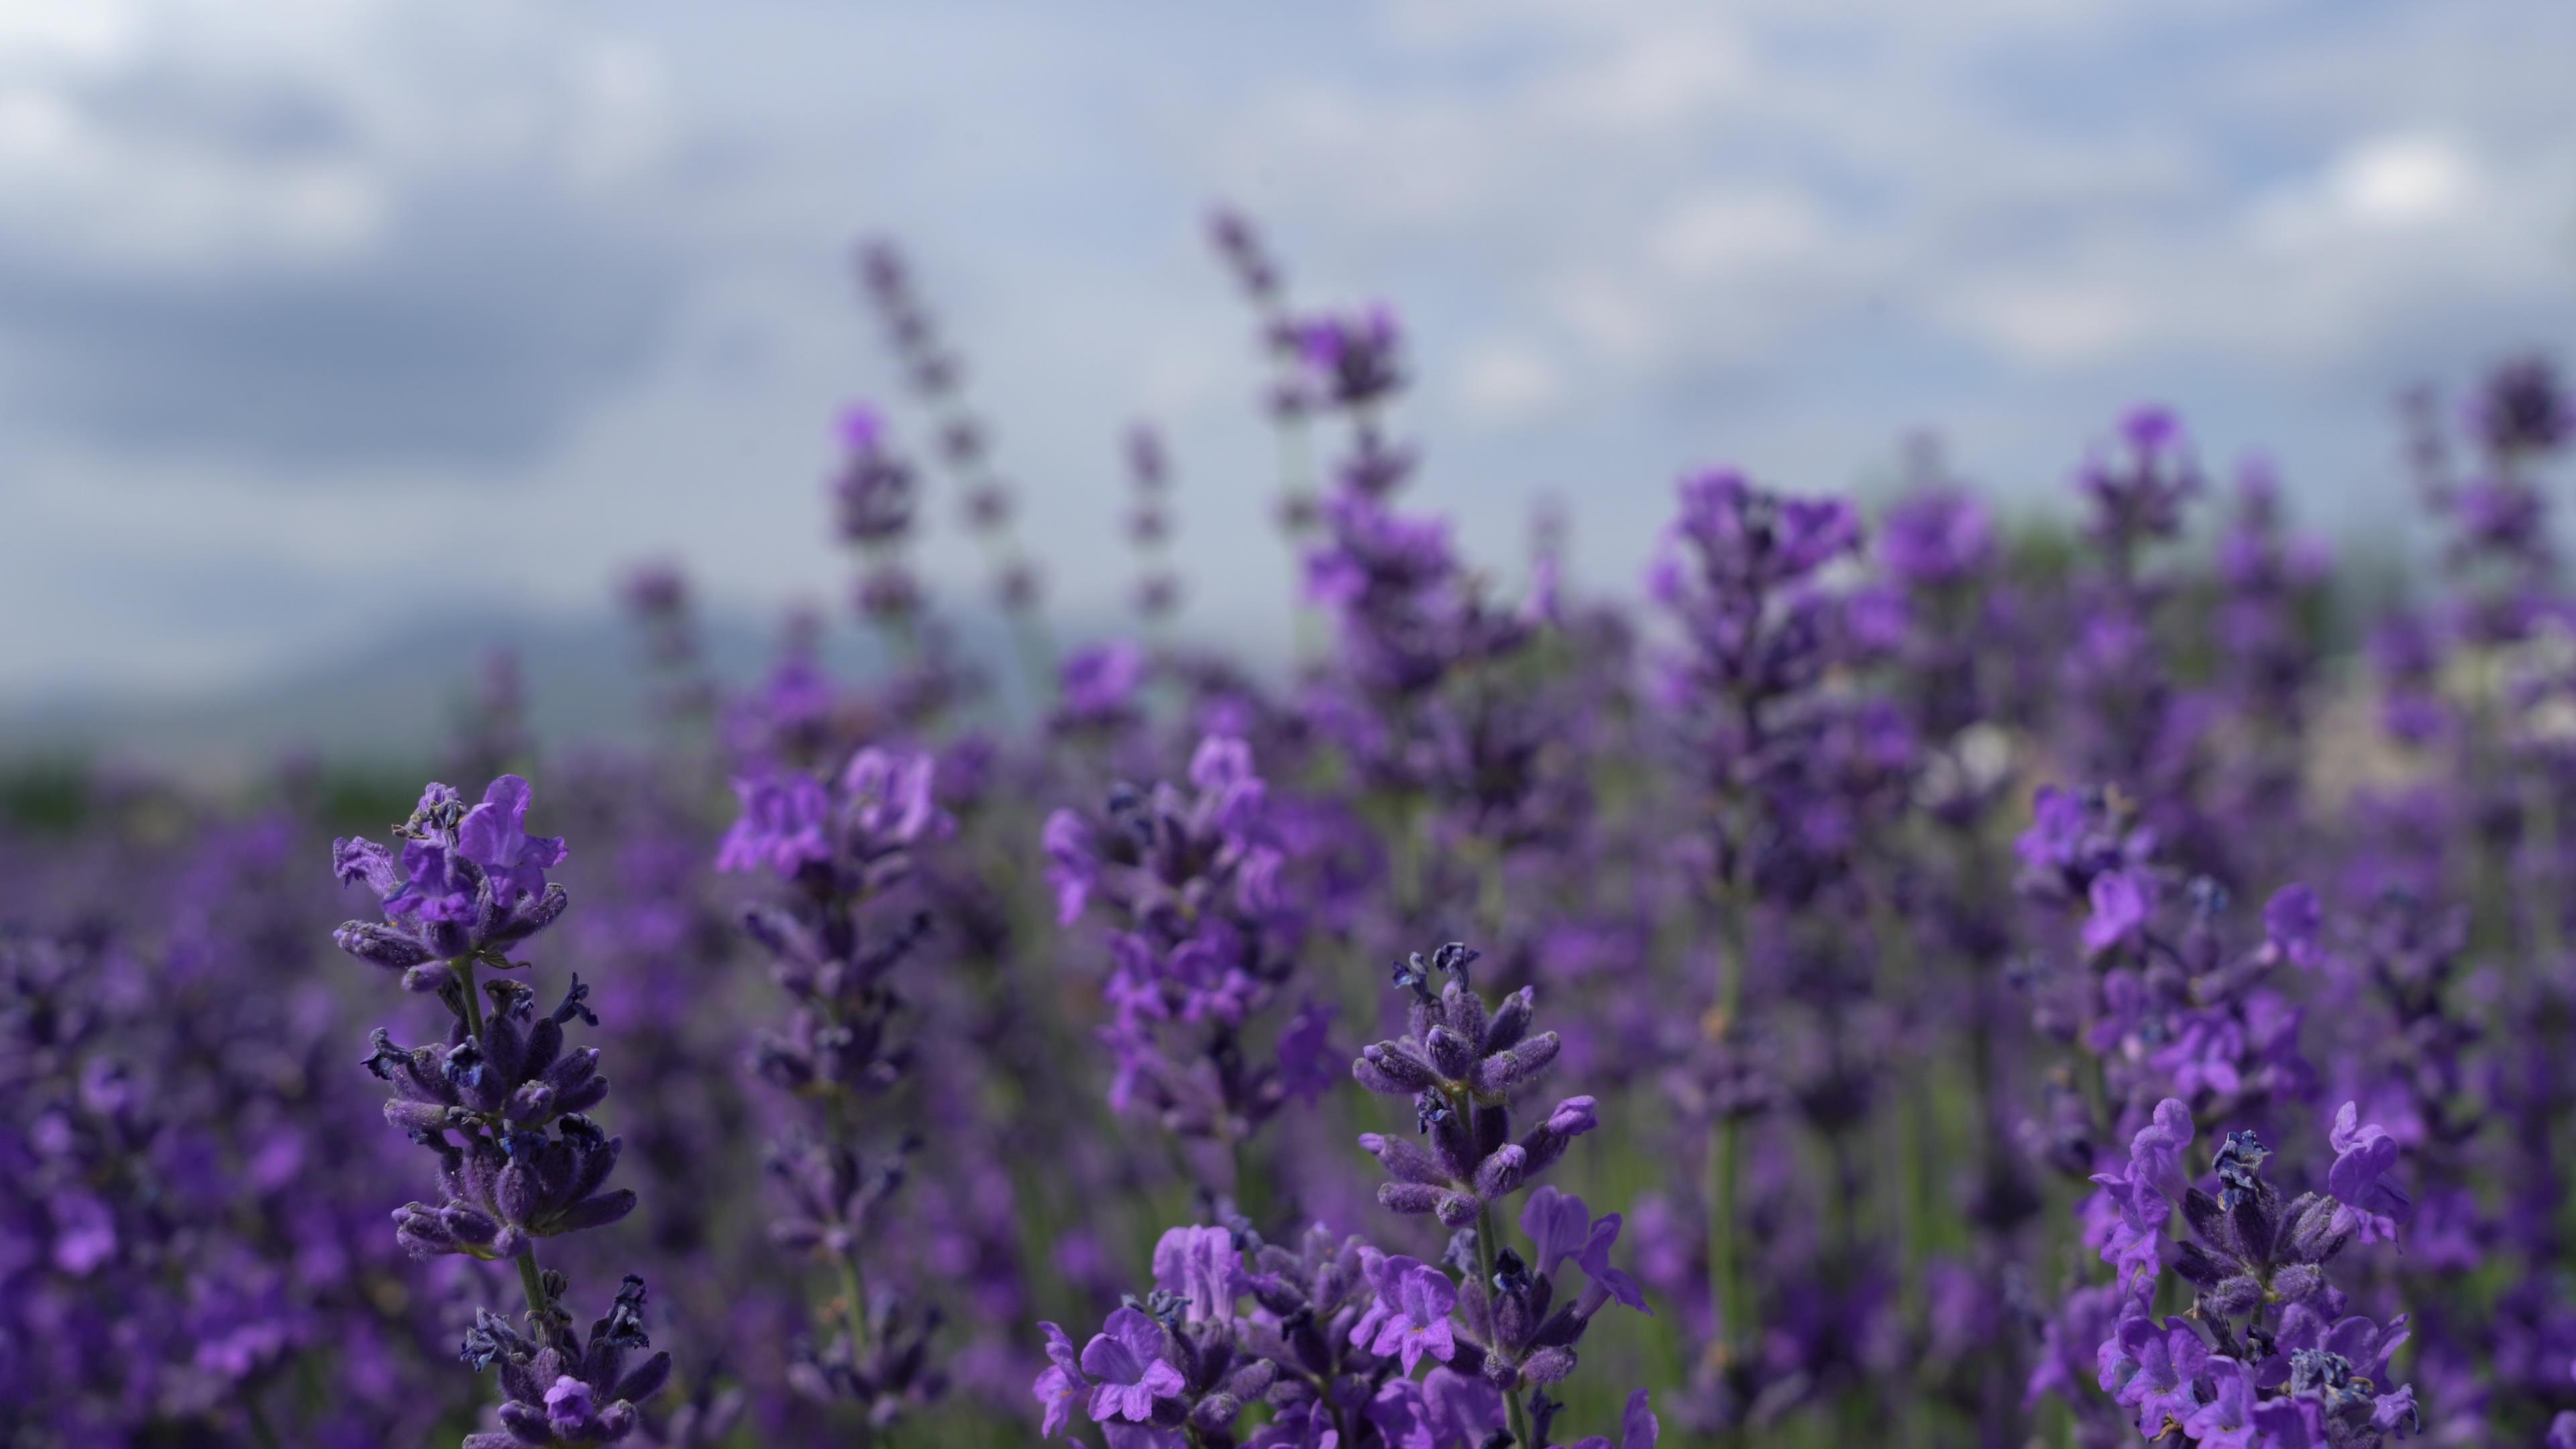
point(380, 945)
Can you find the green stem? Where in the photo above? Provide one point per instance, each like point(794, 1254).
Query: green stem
point(2541, 857)
point(531, 1284)
point(1725, 1285)
point(856, 1293)
point(1896, 983)
point(463, 966)
point(1521, 1434)
point(1726, 1147)
point(259, 1426)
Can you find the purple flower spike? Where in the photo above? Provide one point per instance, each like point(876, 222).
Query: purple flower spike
point(1127, 1358)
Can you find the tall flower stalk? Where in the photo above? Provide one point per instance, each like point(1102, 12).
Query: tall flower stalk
point(502, 1103)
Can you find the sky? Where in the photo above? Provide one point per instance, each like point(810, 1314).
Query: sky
point(324, 320)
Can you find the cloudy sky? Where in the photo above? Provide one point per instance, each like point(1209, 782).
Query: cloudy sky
point(323, 318)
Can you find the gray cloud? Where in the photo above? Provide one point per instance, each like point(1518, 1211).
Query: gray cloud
point(492, 317)
point(326, 241)
point(588, 263)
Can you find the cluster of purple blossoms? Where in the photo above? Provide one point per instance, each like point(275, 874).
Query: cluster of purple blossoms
point(841, 851)
point(1460, 1062)
point(1206, 942)
point(524, 1161)
point(2268, 1357)
point(1336, 1330)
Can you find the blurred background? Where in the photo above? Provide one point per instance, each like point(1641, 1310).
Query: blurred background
point(341, 340)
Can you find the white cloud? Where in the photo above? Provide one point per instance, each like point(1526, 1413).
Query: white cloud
point(2396, 180)
point(2053, 326)
point(72, 32)
point(1721, 233)
point(1508, 382)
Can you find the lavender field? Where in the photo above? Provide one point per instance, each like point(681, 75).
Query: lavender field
point(1901, 976)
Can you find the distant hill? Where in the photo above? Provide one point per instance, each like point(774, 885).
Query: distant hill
point(401, 697)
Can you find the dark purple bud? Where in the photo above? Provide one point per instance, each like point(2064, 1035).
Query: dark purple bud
point(533, 1102)
point(526, 1422)
point(2201, 1213)
point(2198, 1268)
point(1450, 1141)
point(1511, 1321)
point(2253, 1221)
point(434, 979)
point(1452, 1056)
point(1393, 1069)
point(422, 1230)
point(1410, 1198)
point(1253, 1380)
point(468, 1225)
point(534, 914)
point(584, 1097)
point(1517, 1066)
point(1457, 1210)
point(595, 1159)
point(572, 1069)
point(644, 1381)
point(2233, 1297)
point(1502, 1172)
point(447, 938)
point(1405, 1161)
point(505, 1047)
point(1511, 1021)
point(380, 945)
point(596, 1212)
point(545, 1044)
point(517, 1192)
point(417, 1117)
point(1462, 1009)
point(1548, 1365)
point(2299, 1282)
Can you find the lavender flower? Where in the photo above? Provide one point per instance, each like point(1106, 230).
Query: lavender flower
point(525, 1162)
point(564, 1390)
